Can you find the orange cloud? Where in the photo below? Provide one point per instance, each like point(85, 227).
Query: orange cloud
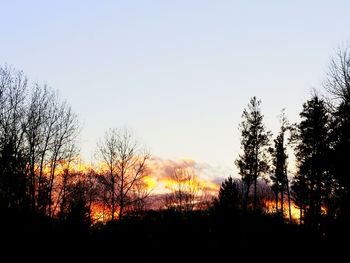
point(161, 171)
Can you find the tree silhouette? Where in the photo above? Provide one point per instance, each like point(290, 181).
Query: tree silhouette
point(312, 154)
point(50, 132)
point(78, 208)
point(279, 177)
point(12, 179)
point(228, 201)
point(13, 172)
point(126, 167)
point(184, 188)
point(37, 131)
point(254, 141)
point(338, 86)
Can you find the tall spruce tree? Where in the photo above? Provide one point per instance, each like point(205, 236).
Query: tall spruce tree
point(228, 201)
point(279, 176)
point(312, 153)
point(254, 142)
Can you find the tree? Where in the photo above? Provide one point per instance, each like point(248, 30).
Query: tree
point(125, 163)
point(338, 86)
point(254, 142)
point(12, 179)
point(74, 204)
point(279, 177)
point(78, 209)
point(63, 144)
point(51, 131)
point(91, 182)
point(300, 194)
point(13, 86)
point(37, 142)
point(338, 78)
point(312, 153)
point(184, 188)
point(228, 201)
point(37, 131)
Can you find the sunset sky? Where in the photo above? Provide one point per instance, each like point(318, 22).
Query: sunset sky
point(178, 73)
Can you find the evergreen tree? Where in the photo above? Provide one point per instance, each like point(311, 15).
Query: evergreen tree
point(341, 157)
point(300, 194)
point(228, 201)
point(12, 179)
point(77, 214)
point(312, 153)
point(254, 141)
point(279, 177)
point(279, 166)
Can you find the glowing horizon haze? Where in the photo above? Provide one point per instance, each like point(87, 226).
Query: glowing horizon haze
point(178, 73)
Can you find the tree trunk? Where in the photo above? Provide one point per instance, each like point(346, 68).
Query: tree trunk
point(121, 203)
point(318, 205)
point(288, 193)
point(52, 176)
point(121, 208)
point(113, 196)
point(32, 182)
point(276, 201)
point(255, 201)
point(255, 175)
point(246, 197)
point(282, 200)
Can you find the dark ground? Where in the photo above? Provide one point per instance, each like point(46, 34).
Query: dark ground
point(168, 236)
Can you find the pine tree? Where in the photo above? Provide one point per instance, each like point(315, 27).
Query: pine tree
point(279, 177)
point(254, 142)
point(228, 201)
point(312, 157)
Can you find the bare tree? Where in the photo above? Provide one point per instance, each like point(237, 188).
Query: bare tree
point(139, 194)
point(338, 80)
point(63, 143)
point(51, 130)
point(13, 87)
point(37, 132)
point(91, 181)
point(185, 189)
point(125, 163)
point(338, 181)
point(35, 138)
point(66, 176)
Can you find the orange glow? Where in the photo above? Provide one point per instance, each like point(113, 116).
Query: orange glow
point(150, 182)
point(270, 207)
point(158, 181)
point(166, 185)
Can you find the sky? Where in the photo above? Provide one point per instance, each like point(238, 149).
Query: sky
point(177, 73)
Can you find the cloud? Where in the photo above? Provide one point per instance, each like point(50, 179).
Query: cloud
point(161, 171)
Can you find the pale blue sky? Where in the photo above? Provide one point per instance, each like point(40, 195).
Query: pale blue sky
point(179, 73)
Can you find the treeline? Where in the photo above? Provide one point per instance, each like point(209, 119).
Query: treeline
point(38, 150)
point(319, 186)
point(39, 158)
point(38, 153)
point(37, 138)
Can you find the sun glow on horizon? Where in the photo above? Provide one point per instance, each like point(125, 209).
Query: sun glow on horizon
point(270, 207)
point(157, 182)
